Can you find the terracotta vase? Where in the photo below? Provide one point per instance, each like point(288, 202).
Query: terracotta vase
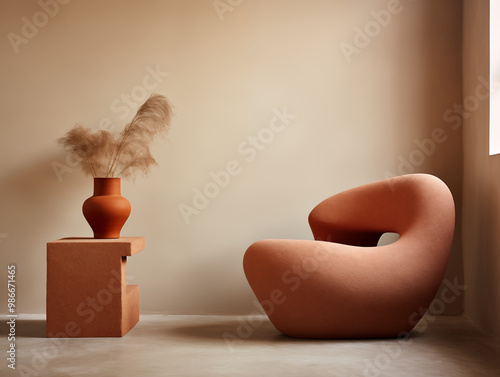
point(106, 211)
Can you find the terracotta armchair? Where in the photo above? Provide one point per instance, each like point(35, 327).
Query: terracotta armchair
point(342, 285)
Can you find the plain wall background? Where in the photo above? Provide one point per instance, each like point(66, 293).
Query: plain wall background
point(481, 178)
point(356, 122)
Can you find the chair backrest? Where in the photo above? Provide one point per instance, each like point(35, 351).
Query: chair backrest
point(419, 207)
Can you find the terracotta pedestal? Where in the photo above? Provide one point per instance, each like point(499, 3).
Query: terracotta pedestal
point(87, 293)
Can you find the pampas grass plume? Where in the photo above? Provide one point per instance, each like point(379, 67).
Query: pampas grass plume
point(102, 155)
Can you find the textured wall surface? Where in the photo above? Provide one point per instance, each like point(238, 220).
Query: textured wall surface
point(279, 104)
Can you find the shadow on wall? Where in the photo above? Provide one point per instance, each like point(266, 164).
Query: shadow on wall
point(488, 245)
point(437, 148)
point(32, 196)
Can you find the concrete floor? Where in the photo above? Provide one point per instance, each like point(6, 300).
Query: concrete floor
point(250, 346)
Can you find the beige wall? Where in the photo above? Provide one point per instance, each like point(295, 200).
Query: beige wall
point(481, 178)
point(365, 108)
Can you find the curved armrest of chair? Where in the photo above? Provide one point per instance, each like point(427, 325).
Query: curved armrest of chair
point(359, 216)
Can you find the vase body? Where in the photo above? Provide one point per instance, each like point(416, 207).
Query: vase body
point(106, 211)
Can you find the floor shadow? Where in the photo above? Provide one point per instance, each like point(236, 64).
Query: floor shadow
point(257, 330)
point(25, 328)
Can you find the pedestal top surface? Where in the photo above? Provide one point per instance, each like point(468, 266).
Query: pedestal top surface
point(126, 246)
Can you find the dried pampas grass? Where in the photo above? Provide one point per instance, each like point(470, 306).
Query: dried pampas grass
point(102, 155)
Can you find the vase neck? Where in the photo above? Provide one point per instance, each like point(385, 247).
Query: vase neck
point(107, 186)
